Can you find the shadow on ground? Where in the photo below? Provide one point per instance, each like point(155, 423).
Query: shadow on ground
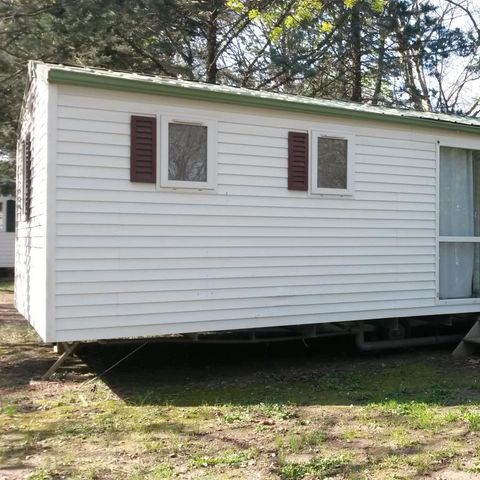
point(321, 372)
point(316, 372)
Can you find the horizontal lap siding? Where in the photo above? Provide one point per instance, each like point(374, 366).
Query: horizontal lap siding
point(7, 249)
point(135, 261)
point(30, 248)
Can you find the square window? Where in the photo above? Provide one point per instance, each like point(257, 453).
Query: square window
point(332, 163)
point(187, 153)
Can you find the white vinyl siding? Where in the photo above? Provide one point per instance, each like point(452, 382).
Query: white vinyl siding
point(30, 236)
point(134, 260)
point(113, 258)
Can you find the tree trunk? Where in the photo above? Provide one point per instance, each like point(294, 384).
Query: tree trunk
point(212, 44)
point(380, 65)
point(356, 38)
point(411, 66)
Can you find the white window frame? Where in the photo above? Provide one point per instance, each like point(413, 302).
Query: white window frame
point(450, 239)
point(351, 152)
point(211, 183)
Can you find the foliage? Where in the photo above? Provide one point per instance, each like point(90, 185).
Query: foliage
point(317, 468)
point(402, 53)
point(7, 177)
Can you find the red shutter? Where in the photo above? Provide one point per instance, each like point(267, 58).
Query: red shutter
point(298, 161)
point(28, 177)
point(143, 154)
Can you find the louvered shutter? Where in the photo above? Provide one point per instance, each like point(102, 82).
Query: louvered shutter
point(298, 161)
point(143, 155)
point(28, 177)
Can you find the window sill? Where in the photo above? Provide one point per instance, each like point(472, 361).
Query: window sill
point(457, 301)
point(190, 187)
point(330, 192)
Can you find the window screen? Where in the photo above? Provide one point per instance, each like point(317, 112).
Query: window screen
point(187, 152)
point(332, 162)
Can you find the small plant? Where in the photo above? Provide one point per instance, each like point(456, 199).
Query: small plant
point(401, 438)
point(40, 475)
point(234, 414)
point(278, 411)
point(162, 472)
point(9, 409)
point(418, 414)
point(307, 439)
point(350, 434)
point(317, 468)
point(472, 417)
point(231, 458)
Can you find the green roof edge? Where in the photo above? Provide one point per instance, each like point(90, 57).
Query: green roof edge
point(87, 79)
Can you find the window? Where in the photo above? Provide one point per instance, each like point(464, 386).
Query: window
point(332, 163)
point(459, 223)
point(10, 216)
point(188, 153)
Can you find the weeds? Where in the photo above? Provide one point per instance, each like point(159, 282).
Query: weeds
point(472, 417)
point(230, 458)
point(317, 468)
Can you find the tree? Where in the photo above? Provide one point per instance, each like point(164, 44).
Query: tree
point(7, 177)
point(397, 53)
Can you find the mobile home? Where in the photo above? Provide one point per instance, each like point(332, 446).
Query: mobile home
point(149, 206)
point(7, 232)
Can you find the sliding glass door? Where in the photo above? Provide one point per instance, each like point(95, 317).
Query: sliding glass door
point(459, 229)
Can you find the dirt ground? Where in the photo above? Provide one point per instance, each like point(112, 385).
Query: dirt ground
point(248, 412)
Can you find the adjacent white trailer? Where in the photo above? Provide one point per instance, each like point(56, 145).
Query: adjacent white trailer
point(151, 206)
point(7, 232)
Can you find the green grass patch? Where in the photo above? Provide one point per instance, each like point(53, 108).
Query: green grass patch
point(6, 286)
point(472, 417)
point(317, 468)
point(417, 414)
point(230, 458)
point(298, 442)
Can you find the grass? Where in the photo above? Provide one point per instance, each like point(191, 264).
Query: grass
point(320, 467)
point(230, 458)
point(409, 415)
point(6, 286)
point(300, 441)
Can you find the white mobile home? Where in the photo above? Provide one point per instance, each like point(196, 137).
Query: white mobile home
point(151, 206)
point(7, 232)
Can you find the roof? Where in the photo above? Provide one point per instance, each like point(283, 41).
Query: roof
point(167, 86)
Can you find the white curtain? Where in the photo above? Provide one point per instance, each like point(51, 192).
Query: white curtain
point(457, 218)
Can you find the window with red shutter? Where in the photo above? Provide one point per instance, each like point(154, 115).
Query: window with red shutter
point(298, 161)
point(143, 155)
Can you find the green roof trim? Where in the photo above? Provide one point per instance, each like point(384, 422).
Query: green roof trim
point(127, 82)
